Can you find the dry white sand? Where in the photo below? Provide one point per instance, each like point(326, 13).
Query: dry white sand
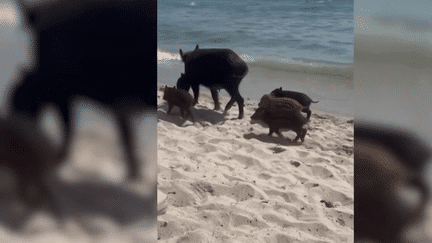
point(97, 205)
point(227, 181)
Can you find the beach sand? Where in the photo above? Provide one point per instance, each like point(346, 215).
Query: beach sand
point(227, 181)
point(98, 206)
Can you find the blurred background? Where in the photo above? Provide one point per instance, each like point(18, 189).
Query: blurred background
point(99, 206)
point(393, 78)
point(393, 54)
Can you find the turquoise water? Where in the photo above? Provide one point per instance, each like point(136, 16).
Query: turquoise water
point(306, 46)
point(291, 32)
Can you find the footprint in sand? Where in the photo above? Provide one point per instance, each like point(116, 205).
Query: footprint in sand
point(289, 197)
point(192, 237)
point(288, 209)
point(345, 219)
point(180, 198)
point(331, 195)
point(240, 220)
point(201, 139)
point(248, 161)
point(321, 172)
point(241, 191)
point(277, 150)
point(207, 148)
point(302, 154)
point(169, 142)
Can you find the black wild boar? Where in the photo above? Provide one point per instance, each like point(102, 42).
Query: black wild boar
point(279, 105)
point(99, 50)
point(390, 190)
point(180, 98)
point(216, 69)
point(303, 99)
point(287, 120)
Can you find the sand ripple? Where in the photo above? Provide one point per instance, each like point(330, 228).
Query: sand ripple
point(227, 181)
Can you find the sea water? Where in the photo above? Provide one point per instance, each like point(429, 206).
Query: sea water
point(304, 46)
point(393, 63)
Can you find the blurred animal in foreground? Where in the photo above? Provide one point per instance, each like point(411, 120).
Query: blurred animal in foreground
point(389, 189)
point(277, 113)
point(98, 50)
point(180, 98)
point(303, 99)
point(215, 69)
point(26, 152)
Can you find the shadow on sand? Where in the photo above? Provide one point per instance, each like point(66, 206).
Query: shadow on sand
point(200, 115)
point(270, 139)
point(119, 203)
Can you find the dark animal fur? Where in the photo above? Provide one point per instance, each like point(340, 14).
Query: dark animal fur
point(180, 98)
point(216, 69)
point(386, 159)
point(279, 104)
point(303, 99)
point(31, 158)
point(288, 120)
point(105, 50)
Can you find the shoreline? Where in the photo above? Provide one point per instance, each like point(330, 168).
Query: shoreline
point(224, 98)
point(335, 95)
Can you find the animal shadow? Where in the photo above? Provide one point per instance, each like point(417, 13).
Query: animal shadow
point(200, 115)
point(78, 200)
point(271, 139)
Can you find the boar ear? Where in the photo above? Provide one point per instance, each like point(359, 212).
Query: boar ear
point(280, 88)
point(30, 15)
point(182, 74)
point(196, 48)
point(181, 54)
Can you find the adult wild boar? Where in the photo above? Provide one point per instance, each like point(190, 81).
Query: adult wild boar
point(303, 99)
point(215, 69)
point(98, 50)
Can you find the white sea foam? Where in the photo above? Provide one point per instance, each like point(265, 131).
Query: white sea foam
point(166, 57)
point(248, 58)
point(8, 16)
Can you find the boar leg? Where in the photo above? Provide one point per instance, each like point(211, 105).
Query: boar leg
point(195, 89)
point(308, 112)
point(127, 141)
point(235, 97)
point(279, 133)
point(170, 106)
point(298, 136)
point(215, 96)
point(271, 131)
point(65, 112)
point(188, 111)
point(303, 134)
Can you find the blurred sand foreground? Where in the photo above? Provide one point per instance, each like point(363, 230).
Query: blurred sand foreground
point(227, 181)
point(97, 205)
